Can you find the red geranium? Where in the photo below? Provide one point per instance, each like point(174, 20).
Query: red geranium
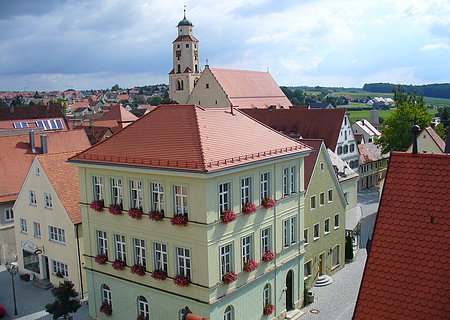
point(268, 256)
point(268, 309)
point(137, 269)
point(250, 265)
point(268, 203)
point(228, 216)
point(248, 208)
point(159, 274)
point(97, 205)
point(135, 213)
point(229, 277)
point(115, 209)
point(2, 311)
point(101, 258)
point(106, 308)
point(179, 220)
point(118, 265)
point(181, 281)
point(156, 215)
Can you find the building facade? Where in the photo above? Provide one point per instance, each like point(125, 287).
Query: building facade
point(373, 166)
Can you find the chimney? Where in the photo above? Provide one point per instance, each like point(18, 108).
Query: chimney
point(415, 130)
point(32, 141)
point(44, 144)
point(11, 109)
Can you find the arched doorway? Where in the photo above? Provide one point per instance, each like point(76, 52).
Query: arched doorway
point(289, 290)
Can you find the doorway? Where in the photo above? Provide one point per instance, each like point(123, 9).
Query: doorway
point(289, 290)
point(46, 267)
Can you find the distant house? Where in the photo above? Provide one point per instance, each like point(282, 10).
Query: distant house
point(120, 114)
point(96, 134)
point(82, 111)
point(320, 105)
point(429, 141)
point(47, 118)
point(369, 132)
point(373, 166)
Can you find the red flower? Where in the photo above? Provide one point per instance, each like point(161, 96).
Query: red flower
point(101, 258)
point(135, 213)
point(137, 269)
point(179, 220)
point(248, 208)
point(268, 256)
point(115, 209)
point(156, 215)
point(229, 277)
point(159, 274)
point(97, 205)
point(118, 265)
point(2, 310)
point(268, 203)
point(106, 308)
point(250, 265)
point(181, 281)
point(228, 216)
point(268, 309)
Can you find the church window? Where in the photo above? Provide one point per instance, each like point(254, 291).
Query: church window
point(195, 46)
point(187, 45)
point(179, 68)
point(196, 68)
point(207, 86)
point(178, 46)
point(180, 85)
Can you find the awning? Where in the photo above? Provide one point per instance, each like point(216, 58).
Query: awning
point(352, 217)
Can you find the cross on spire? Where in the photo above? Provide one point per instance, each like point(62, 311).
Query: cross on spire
point(184, 11)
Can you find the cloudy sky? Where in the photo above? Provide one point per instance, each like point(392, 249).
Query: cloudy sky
point(84, 44)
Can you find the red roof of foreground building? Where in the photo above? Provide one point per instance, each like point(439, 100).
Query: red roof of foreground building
point(408, 269)
point(188, 137)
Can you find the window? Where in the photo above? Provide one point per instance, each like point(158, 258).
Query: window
point(187, 45)
point(336, 221)
point(345, 136)
point(293, 179)
point(98, 187)
point(60, 268)
point(207, 86)
point(140, 257)
point(136, 194)
point(9, 215)
point(352, 147)
point(180, 84)
point(121, 254)
point(345, 149)
point(285, 181)
point(265, 240)
point(330, 195)
point(316, 231)
point(246, 248)
point(106, 294)
point(56, 234)
point(225, 259)
point(339, 150)
point(289, 231)
point(335, 257)
point(322, 198)
point(102, 242)
point(48, 200)
point(160, 256)
point(264, 185)
point(308, 269)
point(179, 71)
point(305, 235)
point(313, 202)
point(184, 262)
point(116, 191)
point(38, 171)
point(18, 125)
point(345, 121)
point(229, 313)
point(181, 200)
point(143, 309)
point(346, 197)
point(289, 180)
point(321, 166)
point(245, 190)
point(224, 197)
point(36, 229)
point(326, 226)
point(157, 200)
point(266, 295)
point(23, 226)
point(32, 197)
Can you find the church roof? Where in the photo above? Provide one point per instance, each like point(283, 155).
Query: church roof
point(184, 22)
point(186, 38)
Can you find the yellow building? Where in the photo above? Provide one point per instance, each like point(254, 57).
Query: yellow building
point(428, 141)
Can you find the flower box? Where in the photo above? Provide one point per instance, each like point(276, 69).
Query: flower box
point(229, 277)
point(268, 203)
point(106, 308)
point(181, 281)
point(268, 256)
point(228, 216)
point(101, 258)
point(250, 265)
point(179, 220)
point(142, 317)
point(159, 274)
point(59, 275)
point(115, 209)
point(137, 269)
point(248, 208)
point(268, 309)
point(135, 213)
point(156, 215)
point(97, 205)
point(118, 265)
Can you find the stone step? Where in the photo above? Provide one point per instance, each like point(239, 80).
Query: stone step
point(43, 284)
point(294, 314)
point(323, 280)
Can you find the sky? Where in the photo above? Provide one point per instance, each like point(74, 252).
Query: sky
point(94, 44)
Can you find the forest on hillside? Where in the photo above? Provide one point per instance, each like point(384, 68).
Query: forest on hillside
point(437, 90)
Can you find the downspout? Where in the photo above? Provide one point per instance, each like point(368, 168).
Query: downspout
point(79, 261)
point(275, 235)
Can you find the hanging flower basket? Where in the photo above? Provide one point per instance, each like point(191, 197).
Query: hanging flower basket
point(179, 220)
point(135, 213)
point(268, 256)
point(156, 215)
point(137, 269)
point(106, 308)
point(268, 203)
point(118, 265)
point(159, 274)
point(228, 216)
point(115, 209)
point(101, 258)
point(250, 265)
point(268, 309)
point(248, 208)
point(181, 281)
point(97, 205)
point(229, 277)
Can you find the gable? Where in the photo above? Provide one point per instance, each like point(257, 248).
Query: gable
point(208, 93)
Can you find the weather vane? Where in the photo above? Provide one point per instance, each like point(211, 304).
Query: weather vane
point(185, 10)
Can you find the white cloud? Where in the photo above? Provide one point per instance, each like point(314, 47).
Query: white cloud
point(435, 46)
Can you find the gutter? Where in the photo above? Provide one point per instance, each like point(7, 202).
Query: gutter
point(79, 261)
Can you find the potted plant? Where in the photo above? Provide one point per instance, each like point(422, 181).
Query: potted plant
point(181, 281)
point(248, 208)
point(228, 216)
point(159, 274)
point(156, 215)
point(118, 265)
point(135, 213)
point(268, 309)
point(268, 256)
point(138, 269)
point(97, 205)
point(250, 265)
point(179, 220)
point(229, 277)
point(116, 209)
point(106, 308)
point(268, 203)
point(101, 258)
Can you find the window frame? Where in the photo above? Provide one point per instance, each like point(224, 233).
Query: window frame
point(120, 247)
point(143, 307)
point(32, 199)
point(267, 296)
point(157, 196)
point(337, 215)
point(246, 190)
point(37, 229)
point(102, 242)
point(116, 186)
point(226, 258)
point(305, 238)
point(61, 267)
point(330, 195)
point(160, 256)
point(98, 188)
point(9, 215)
point(322, 199)
point(289, 226)
point(136, 190)
point(140, 252)
point(224, 194)
point(318, 231)
point(326, 224)
point(184, 262)
point(313, 202)
point(48, 202)
point(23, 226)
point(182, 198)
point(56, 234)
point(264, 185)
point(266, 241)
point(106, 294)
point(246, 249)
point(333, 250)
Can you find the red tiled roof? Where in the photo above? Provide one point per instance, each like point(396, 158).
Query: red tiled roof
point(310, 160)
point(95, 134)
point(309, 124)
point(185, 38)
point(64, 178)
point(188, 137)
point(32, 112)
point(120, 114)
point(370, 152)
point(407, 272)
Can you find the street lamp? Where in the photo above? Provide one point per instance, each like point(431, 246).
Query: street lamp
point(12, 269)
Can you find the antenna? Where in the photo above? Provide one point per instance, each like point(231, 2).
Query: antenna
point(207, 61)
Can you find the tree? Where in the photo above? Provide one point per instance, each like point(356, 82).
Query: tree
point(115, 87)
point(410, 110)
point(65, 301)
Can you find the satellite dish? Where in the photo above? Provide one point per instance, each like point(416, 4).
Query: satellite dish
point(38, 251)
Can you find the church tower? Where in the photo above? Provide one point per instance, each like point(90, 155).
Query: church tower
point(186, 66)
